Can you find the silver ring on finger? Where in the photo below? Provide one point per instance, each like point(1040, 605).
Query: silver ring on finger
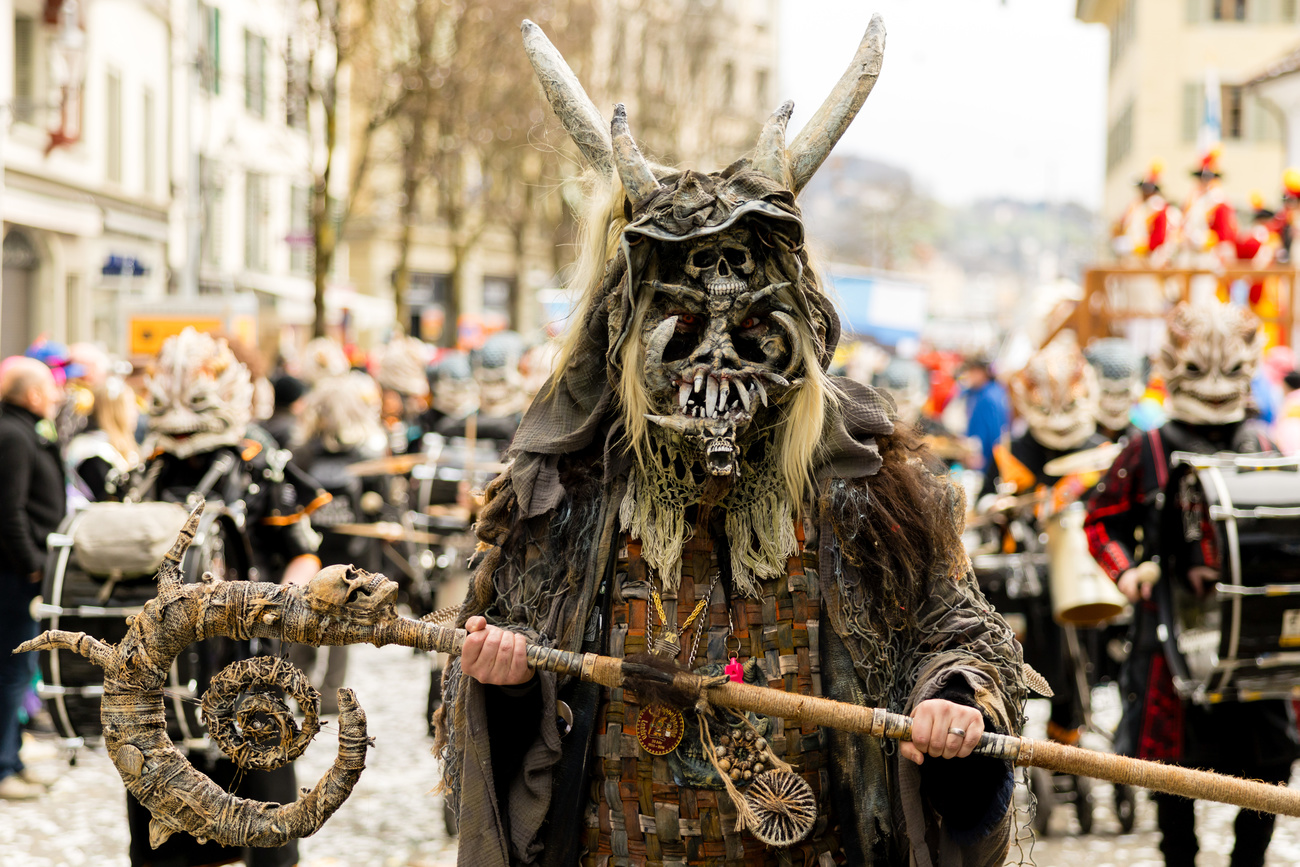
point(961, 733)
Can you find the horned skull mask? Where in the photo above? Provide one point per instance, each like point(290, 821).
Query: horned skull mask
point(1208, 361)
point(1056, 393)
point(716, 314)
point(200, 396)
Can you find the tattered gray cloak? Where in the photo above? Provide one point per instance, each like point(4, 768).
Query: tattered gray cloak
point(906, 619)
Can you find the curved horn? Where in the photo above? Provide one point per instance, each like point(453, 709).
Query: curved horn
point(770, 157)
point(169, 574)
point(638, 180)
point(814, 142)
point(582, 120)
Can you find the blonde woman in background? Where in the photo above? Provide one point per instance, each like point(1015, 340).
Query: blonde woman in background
point(107, 448)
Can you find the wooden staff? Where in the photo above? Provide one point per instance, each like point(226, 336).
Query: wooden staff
point(878, 722)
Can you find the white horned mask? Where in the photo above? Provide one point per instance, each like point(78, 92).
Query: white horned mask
point(1056, 394)
point(200, 396)
point(1208, 360)
point(1119, 378)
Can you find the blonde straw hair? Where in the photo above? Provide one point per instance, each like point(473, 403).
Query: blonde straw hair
point(113, 402)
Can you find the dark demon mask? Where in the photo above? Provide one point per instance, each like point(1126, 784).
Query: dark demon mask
point(717, 327)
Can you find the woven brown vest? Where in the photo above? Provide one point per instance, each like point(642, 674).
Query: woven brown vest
point(637, 813)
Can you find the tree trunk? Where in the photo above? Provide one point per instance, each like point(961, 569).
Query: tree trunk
point(324, 232)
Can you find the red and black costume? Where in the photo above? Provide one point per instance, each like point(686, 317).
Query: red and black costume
point(1135, 515)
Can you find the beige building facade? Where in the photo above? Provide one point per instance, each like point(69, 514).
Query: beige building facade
point(1160, 54)
point(698, 79)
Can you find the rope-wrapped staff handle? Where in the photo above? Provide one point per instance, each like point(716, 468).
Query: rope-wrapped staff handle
point(878, 722)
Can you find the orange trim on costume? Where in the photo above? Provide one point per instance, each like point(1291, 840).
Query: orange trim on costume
point(1012, 470)
point(252, 448)
point(286, 520)
point(321, 499)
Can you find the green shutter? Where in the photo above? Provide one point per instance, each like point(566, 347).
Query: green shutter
point(1195, 11)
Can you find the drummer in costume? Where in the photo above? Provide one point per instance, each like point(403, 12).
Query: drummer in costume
point(1147, 232)
point(695, 490)
point(1210, 355)
point(200, 437)
point(1056, 394)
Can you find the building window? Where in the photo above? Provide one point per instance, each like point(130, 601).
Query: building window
point(211, 200)
point(113, 128)
point(254, 74)
point(1242, 117)
point(1119, 140)
point(761, 82)
point(1231, 103)
point(301, 260)
point(1227, 10)
point(728, 85)
point(257, 218)
point(24, 106)
point(209, 48)
point(149, 168)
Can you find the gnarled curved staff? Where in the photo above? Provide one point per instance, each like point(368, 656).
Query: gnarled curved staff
point(346, 605)
point(179, 797)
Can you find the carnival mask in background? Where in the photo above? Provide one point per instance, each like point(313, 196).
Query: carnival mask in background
point(400, 369)
point(1119, 378)
point(200, 396)
point(501, 389)
point(1209, 358)
point(1056, 394)
point(343, 412)
point(321, 358)
point(453, 391)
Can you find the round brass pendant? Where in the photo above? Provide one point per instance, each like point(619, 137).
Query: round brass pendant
point(659, 729)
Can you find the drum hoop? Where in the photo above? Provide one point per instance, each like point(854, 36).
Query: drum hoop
point(56, 590)
point(1234, 556)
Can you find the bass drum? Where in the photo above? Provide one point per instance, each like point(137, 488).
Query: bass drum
point(99, 605)
point(1240, 639)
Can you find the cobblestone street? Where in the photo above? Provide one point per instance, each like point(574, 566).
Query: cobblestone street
point(393, 819)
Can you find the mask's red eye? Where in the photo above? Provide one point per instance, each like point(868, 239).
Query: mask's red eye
point(687, 320)
point(751, 322)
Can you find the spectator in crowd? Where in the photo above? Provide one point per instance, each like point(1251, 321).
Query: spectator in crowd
point(988, 416)
point(32, 503)
point(289, 392)
point(108, 446)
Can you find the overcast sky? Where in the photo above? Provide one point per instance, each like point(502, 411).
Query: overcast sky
point(976, 97)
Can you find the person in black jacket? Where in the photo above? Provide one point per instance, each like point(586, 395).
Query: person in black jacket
point(32, 503)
